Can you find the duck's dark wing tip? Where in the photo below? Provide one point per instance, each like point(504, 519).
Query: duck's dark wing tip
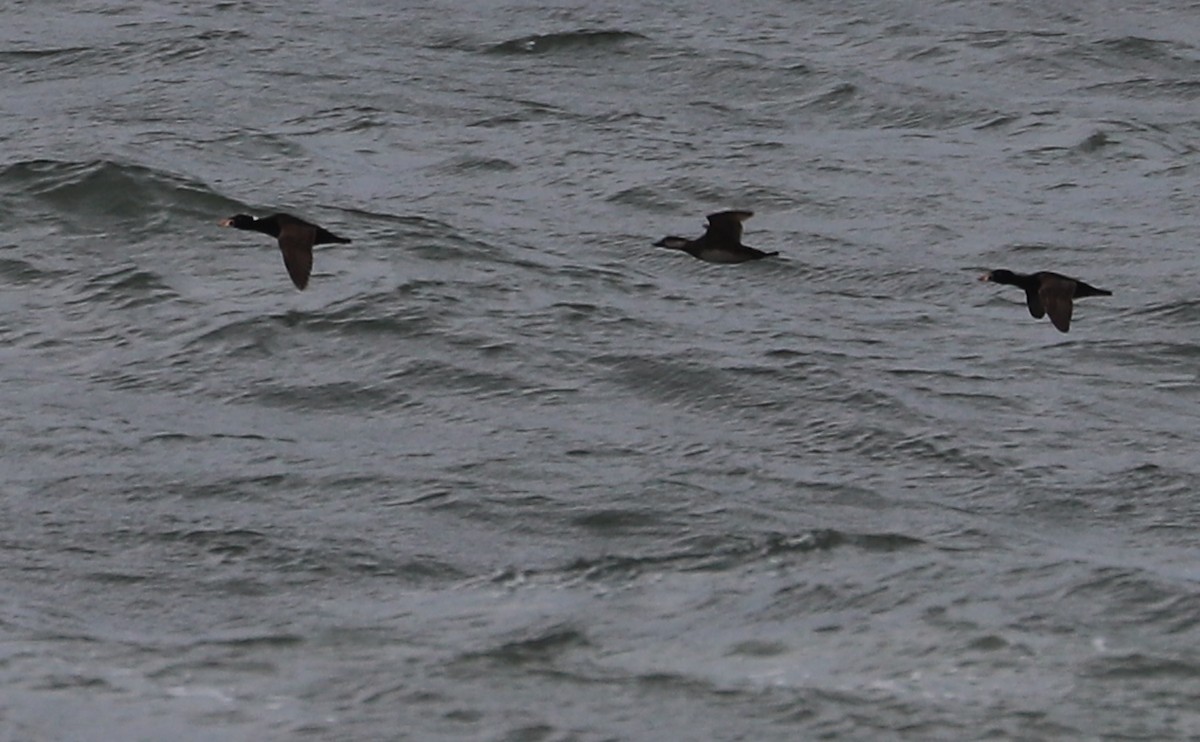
point(735, 215)
point(299, 265)
point(1034, 302)
point(1055, 296)
point(296, 245)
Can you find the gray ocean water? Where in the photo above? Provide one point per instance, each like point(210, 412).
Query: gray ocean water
point(505, 471)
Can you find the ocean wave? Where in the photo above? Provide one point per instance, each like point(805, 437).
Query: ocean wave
point(568, 41)
point(716, 554)
point(99, 195)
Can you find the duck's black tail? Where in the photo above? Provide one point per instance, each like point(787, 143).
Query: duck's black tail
point(325, 237)
point(1082, 290)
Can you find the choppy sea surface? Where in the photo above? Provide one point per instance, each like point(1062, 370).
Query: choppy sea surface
point(505, 471)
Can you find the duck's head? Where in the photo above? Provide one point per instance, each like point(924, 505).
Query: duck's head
point(1000, 276)
point(238, 221)
point(673, 243)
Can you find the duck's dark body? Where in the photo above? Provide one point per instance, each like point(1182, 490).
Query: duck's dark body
point(1047, 293)
point(721, 242)
point(296, 239)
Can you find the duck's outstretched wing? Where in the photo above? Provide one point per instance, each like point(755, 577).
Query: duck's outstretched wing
point(727, 225)
point(1055, 295)
point(1034, 301)
point(296, 243)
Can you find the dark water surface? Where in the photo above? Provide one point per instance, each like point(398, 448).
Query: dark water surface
point(507, 472)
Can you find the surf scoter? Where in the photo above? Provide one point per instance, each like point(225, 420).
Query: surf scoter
point(296, 239)
point(1047, 293)
point(721, 241)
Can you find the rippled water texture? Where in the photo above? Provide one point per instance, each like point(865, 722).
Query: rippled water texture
point(505, 471)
